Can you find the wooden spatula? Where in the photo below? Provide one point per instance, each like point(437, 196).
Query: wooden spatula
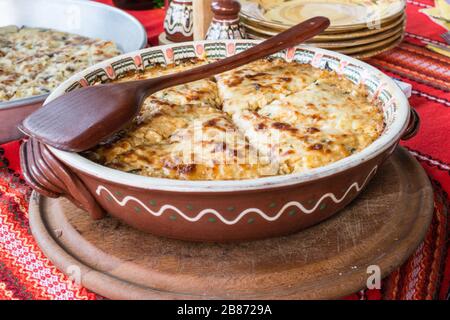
point(80, 119)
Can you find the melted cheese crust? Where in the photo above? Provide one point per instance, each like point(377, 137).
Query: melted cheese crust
point(267, 118)
point(34, 61)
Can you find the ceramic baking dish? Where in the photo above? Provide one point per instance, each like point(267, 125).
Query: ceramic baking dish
point(86, 18)
point(220, 210)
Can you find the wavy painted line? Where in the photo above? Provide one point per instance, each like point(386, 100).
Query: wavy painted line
point(297, 204)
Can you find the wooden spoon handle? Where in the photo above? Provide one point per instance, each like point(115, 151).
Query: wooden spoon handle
point(291, 37)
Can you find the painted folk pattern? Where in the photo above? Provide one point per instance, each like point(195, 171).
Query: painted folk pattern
point(25, 273)
point(290, 208)
point(417, 64)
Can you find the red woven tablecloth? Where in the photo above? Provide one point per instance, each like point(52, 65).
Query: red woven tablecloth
point(25, 273)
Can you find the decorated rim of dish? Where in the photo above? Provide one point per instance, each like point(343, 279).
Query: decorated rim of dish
point(345, 64)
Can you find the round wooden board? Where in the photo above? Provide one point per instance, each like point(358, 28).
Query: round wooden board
point(382, 227)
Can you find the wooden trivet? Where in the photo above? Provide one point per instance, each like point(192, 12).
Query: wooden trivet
point(330, 260)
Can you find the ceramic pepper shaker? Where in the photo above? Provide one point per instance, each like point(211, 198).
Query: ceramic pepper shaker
point(225, 23)
point(178, 21)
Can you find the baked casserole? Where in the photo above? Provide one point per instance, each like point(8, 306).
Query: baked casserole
point(34, 61)
point(267, 118)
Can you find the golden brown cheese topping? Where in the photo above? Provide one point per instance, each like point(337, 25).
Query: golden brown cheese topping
point(34, 61)
point(267, 118)
point(255, 86)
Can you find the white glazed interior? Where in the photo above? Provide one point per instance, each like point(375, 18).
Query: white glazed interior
point(388, 139)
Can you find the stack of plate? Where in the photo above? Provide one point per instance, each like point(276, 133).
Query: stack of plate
point(359, 28)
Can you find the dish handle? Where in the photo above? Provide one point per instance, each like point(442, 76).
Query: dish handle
point(51, 178)
point(413, 125)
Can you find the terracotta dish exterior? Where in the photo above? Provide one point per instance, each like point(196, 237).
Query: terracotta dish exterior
point(220, 210)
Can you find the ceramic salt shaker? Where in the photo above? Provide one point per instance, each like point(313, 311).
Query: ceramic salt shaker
point(179, 21)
